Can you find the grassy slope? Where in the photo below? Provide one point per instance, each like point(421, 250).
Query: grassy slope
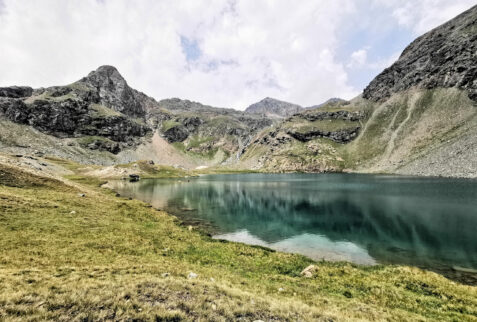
point(101, 257)
point(410, 126)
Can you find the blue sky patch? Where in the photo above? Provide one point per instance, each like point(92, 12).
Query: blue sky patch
point(191, 48)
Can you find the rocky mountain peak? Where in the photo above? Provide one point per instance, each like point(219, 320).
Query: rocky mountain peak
point(113, 91)
point(334, 101)
point(107, 75)
point(269, 100)
point(444, 57)
point(273, 108)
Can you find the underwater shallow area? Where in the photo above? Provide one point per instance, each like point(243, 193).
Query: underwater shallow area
point(365, 219)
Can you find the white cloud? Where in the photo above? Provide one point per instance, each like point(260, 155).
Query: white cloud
point(384, 63)
point(423, 15)
point(358, 58)
point(243, 50)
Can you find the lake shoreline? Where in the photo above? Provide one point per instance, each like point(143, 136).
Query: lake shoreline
point(188, 217)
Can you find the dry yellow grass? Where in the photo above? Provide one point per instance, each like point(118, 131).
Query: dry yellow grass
point(99, 257)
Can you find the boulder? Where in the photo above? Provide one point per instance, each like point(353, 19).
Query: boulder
point(309, 271)
point(134, 177)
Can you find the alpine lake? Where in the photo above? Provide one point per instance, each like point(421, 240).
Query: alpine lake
point(429, 223)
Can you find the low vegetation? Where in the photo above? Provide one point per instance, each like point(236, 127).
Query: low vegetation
point(169, 124)
point(98, 111)
point(149, 170)
point(302, 125)
point(78, 252)
point(409, 126)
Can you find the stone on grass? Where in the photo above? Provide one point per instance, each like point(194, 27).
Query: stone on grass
point(309, 271)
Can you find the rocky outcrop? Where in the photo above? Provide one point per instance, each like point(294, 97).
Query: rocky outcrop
point(70, 118)
point(104, 145)
point(118, 128)
point(444, 57)
point(273, 108)
point(191, 123)
point(58, 118)
point(176, 134)
point(273, 139)
point(16, 91)
point(340, 136)
point(338, 115)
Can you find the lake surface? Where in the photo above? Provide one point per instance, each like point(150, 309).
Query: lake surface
point(366, 219)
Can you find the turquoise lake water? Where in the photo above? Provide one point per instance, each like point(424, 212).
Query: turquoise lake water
point(365, 219)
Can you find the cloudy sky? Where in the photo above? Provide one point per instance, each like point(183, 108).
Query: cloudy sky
point(227, 53)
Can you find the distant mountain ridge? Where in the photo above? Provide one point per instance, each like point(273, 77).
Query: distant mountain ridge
point(273, 108)
point(335, 101)
point(280, 109)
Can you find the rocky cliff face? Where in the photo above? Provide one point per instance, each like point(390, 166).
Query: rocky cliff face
point(340, 136)
point(345, 131)
point(444, 57)
point(273, 108)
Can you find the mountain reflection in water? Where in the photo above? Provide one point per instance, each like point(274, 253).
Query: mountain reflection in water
point(425, 222)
